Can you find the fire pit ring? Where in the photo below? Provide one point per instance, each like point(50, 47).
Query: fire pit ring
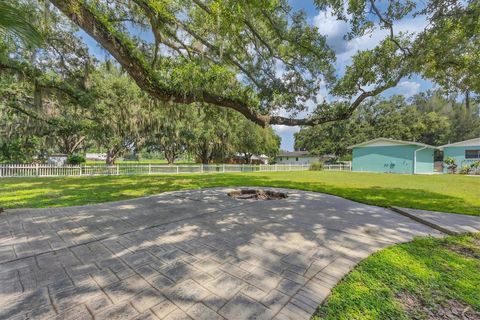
point(257, 194)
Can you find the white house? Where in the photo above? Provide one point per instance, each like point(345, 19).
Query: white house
point(57, 159)
point(96, 156)
point(255, 159)
point(295, 157)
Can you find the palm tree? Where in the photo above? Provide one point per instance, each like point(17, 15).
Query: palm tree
point(13, 22)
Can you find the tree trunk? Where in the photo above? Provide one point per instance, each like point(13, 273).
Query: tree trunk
point(71, 144)
point(170, 156)
point(204, 158)
point(170, 153)
point(111, 157)
point(203, 153)
point(247, 157)
point(467, 100)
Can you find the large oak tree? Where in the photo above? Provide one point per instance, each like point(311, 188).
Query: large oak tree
point(259, 58)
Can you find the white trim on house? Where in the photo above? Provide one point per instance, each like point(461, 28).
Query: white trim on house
point(467, 143)
point(415, 159)
point(386, 142)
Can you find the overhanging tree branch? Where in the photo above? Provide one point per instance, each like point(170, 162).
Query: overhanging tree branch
point(127, 55)
point(125, 52)
point(42, 81)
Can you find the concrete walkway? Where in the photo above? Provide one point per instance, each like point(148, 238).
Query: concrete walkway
point(449, 223)
point(188, 255)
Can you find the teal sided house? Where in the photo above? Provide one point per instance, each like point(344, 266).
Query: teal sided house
point(464, 152)
point(393, 156)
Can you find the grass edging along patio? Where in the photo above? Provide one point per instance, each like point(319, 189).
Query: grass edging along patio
point(423, 221)
point(419, 279)
point(447, 193)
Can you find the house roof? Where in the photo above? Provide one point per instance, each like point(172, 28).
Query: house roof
point(466, 143)
point(254, 157)
point(294, 154)
point(382, 142)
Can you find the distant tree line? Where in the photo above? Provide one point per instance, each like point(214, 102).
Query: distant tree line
point(432, 117)
point(118, 118)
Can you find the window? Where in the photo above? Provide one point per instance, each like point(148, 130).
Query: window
point(472, 154)
point(296, 159)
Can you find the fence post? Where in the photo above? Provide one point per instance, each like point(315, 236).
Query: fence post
point(243, 168)
point(350, 166)
point(177, 169)
point(118, 170)
point(80, 169)
point(201, 168)
point(223, 168)
point(149, 168)
point(36, 169)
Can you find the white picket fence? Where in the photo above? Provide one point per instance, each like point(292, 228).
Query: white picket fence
point(338, 167)
point(47, 170)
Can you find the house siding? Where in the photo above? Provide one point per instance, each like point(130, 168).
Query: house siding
point(458, 153)
point(392, 159)
point(292, 160)
point(425, 163)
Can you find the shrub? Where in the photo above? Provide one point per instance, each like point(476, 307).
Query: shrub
point(316, 166)
point(475, 167)
point(451, 164)
point(465, 169)
point(75, 159)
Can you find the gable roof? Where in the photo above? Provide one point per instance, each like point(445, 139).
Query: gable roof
point(466, 143)
point(382, 142)
point(293, 154)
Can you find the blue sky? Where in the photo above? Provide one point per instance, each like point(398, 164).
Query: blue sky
point(334, 30)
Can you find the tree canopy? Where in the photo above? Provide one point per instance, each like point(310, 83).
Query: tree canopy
point(430, 118)
point(195, 75)
point(264, 59)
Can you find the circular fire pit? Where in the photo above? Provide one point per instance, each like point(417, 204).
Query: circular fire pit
point(257, 194)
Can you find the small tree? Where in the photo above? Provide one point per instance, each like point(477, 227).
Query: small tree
point(451, 164)
point(466, 169)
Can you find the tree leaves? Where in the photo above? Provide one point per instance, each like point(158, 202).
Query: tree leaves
point(13, 22)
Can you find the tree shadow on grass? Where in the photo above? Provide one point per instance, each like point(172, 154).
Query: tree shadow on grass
point(59, 192)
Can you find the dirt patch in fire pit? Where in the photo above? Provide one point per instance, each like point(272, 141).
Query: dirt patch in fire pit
point(256, 194)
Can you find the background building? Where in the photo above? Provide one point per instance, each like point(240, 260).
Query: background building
point(295, 157)
point(464, 152)
point(392, 156)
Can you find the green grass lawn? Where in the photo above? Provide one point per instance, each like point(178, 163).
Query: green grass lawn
point(460, 194)
point(418, 280)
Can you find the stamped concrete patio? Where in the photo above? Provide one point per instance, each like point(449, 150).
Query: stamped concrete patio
point(193, 254)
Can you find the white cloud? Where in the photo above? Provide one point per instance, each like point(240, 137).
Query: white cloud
point(281, 129)
point(335, 30)
point(406, 88)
